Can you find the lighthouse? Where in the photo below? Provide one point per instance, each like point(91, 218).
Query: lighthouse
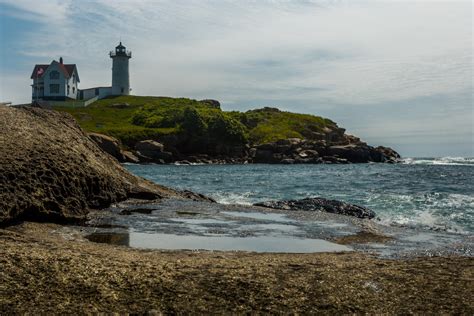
point(120, 73)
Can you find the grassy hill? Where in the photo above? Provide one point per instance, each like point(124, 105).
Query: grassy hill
point(134, 118)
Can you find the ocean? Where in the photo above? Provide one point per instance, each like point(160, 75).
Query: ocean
point(424, 193)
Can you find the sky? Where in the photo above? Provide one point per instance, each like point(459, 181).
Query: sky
point(394, 73)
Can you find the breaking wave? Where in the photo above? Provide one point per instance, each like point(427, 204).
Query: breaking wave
point(459, 161)
point(244, 198)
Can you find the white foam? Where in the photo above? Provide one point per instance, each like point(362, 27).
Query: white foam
point(423, 218)
point(244, 198)
point(454, 161)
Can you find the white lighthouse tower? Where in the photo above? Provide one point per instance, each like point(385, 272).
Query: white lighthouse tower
point(120, 73)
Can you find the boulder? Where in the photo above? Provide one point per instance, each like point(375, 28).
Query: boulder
point(108, 144)
point(150, 150)
point(267, 146)
point(283, 148)
point(352, 153)
point(320, 204)
point(252, 152)
point(386, 154)
point(308, 153)
point(263, 156)
point(149, 147)
point(128, 156)
point(51, 170)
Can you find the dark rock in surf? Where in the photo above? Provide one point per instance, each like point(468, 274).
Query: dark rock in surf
point(320, 204)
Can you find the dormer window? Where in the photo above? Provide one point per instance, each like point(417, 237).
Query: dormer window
point(54, 75)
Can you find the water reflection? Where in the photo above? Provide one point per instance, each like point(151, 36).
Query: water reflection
point(122, 239)
point(219, 242)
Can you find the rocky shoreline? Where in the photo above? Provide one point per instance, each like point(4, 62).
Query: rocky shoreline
point(285, 151)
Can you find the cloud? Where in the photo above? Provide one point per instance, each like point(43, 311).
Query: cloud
point(305, 55)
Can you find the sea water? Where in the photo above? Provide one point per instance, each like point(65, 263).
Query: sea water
point(427, 193)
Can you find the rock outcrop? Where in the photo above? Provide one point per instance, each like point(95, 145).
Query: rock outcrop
point(153, 151)
point(320, 204)
point(335, 148)
point(108, 144)
point(51, 170)
point(113, 147)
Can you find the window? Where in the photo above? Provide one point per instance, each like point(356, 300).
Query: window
point(54, 75)
point(54, 88)
point(96, 91)
point(68, 89)
point(122, 90)
point(73, 89)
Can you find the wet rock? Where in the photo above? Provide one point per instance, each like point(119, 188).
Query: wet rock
point(196, 196)
point(183, 162)
point(387, 154)
point(51, 170)
point(263, 155)
point(320, 204)
point(352, 153)
point(130, 211)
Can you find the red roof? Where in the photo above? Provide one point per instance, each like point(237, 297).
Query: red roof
point(68, 69)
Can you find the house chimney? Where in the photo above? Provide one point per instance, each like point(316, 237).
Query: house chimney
point(61, 60)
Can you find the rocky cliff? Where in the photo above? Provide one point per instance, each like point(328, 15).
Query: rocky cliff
point(50, 170)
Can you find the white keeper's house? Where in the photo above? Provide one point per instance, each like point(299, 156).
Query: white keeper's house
point(60, 82)
point(56, 81)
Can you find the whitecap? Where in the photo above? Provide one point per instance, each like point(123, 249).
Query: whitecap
point(244, 198)
point(454, 161)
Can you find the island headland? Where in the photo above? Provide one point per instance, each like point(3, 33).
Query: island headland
point(168, 130)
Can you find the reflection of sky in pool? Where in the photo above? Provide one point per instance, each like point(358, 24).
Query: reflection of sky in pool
point(191, 242)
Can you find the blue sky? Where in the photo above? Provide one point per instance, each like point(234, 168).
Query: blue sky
point(395, 73)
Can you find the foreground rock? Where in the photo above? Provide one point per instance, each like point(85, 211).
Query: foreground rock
point(82, 277)
point(51, 171)
point(320, 204)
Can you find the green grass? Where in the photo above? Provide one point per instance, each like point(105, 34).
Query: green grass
point(105, 117)
point(134, 118)
point(269, 125)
